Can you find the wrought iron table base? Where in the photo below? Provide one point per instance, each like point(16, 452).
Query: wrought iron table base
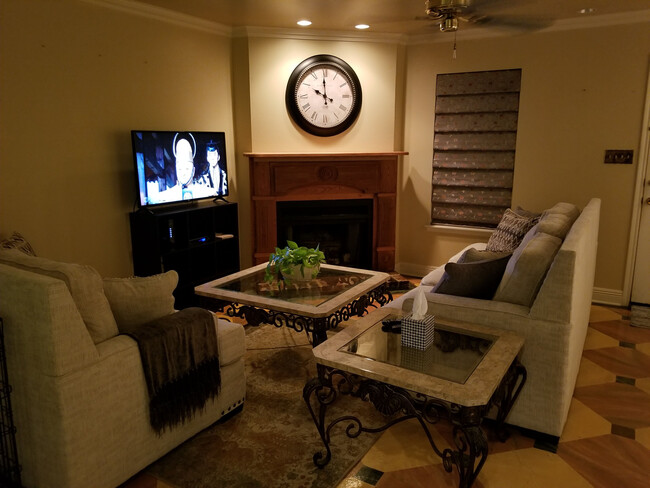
point(470, 441)
point(317, 327)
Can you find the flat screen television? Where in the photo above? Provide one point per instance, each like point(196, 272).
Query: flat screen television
point(179, 167)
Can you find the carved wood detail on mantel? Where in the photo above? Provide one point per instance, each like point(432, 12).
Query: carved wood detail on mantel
point(324, 176)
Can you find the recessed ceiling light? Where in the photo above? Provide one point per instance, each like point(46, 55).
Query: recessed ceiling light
point(304, 23)
point(362, 26)
point(587, 10)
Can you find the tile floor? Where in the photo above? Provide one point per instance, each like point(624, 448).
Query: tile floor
point(605, 443)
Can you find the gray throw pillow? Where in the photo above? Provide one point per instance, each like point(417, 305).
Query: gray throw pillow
point(478, 279)
point(511, 230)
point(527, 269)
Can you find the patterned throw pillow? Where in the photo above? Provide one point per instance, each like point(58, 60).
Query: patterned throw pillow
point(510, 231)
point(17, 241)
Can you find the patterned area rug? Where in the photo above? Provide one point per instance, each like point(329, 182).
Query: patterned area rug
point(270, 443)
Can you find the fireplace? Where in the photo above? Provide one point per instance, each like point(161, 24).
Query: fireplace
point(341, 228)
point(314, 184)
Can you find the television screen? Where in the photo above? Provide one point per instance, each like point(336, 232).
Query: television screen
point(175, 167)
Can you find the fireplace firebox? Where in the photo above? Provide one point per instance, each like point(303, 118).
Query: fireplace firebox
point(341, 228)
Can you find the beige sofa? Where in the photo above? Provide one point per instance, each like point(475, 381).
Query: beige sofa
point(79, 399)
point(554, 325)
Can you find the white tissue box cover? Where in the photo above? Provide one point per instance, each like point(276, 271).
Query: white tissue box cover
point(417, 333)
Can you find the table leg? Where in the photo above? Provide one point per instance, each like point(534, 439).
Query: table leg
point(506, 394)
point(398, 405)
point(471, 445)
point(319, 331)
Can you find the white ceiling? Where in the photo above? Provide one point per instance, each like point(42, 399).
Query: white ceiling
point(391, 16)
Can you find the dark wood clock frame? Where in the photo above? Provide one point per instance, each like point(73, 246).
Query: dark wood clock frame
point(292, 87)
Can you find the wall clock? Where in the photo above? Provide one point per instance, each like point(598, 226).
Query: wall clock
point(323, 95)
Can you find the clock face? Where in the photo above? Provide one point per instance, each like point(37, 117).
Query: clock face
point(323, 95)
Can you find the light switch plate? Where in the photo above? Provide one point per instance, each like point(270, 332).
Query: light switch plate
point(619, 156)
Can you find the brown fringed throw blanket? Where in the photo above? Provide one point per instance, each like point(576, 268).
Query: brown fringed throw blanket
point(181, 364)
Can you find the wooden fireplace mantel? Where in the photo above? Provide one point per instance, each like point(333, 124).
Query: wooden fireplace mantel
point(324, 176)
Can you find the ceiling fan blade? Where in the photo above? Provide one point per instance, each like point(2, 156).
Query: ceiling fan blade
point(517, 23)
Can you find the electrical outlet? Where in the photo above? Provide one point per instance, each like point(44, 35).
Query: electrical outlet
point(619, 156)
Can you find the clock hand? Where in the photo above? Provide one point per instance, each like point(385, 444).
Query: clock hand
point(324, 95)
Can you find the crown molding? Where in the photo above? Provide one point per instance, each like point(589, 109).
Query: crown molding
point(164, 15)
point(589, 22)
point(435, 36)
point(307, 34)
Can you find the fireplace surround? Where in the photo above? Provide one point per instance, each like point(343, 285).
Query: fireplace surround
point(308, 177)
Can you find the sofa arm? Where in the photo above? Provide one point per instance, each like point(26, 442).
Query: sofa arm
point(44, 330)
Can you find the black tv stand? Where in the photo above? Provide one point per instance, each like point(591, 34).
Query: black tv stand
point(187, 239)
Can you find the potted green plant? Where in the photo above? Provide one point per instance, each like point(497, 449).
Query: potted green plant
point(294, 262)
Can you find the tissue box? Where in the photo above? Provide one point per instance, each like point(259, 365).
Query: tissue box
point(417, 334)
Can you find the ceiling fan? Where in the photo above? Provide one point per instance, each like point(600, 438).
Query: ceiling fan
point(446, 14)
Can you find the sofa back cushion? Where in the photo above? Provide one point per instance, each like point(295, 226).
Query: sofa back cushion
point(138, 300)
point(527, 268)
point(85, 285)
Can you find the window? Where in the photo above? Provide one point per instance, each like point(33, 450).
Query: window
point(475, 133)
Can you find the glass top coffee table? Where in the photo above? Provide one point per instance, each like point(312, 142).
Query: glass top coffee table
point(317, 305)
point(467, 371)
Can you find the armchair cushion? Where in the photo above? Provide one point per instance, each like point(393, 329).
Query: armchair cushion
point(84, 283)
point(138, 300)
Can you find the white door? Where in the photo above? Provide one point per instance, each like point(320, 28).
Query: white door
point(641, 281)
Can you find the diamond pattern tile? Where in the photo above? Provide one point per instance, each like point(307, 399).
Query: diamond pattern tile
point(605, 443)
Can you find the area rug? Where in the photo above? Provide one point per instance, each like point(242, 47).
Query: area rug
point(270, 443)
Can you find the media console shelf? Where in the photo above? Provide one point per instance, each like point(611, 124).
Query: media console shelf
point(200, 242)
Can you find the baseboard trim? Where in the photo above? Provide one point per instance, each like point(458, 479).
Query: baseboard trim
point(412, 269)
point(607, 296)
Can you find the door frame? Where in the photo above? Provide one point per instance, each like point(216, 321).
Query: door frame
point(637, 201)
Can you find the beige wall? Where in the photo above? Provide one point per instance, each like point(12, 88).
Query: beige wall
point(75, 78)
point(271, 63)
point(582, 92)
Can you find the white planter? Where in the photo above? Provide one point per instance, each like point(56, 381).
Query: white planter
point(297, 275)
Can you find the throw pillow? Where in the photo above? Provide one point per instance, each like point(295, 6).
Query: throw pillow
point(511, 230)
point(527, 269)
point(478, 279)
point(85, 285)
point(433, 277)
point(17, 241)
point(138, 300)
point(473, 255)
point(527, 213)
